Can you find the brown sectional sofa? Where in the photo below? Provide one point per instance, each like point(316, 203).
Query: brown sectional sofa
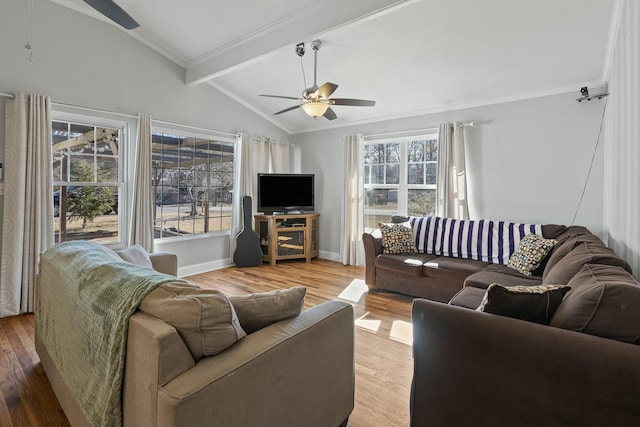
point(476, 368)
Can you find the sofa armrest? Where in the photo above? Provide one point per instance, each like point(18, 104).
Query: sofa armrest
point(165, 263)
point(155, 355)
point(295, 372)
point(372, 248)
point(480, 369)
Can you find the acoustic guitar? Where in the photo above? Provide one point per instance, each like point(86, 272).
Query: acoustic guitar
point(248, 252)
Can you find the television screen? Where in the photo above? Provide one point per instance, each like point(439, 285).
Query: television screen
point(285, 192)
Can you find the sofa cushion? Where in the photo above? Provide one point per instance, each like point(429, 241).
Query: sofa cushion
point(255, 311)
point(584, 253)
point(469, 297)
point(398, 238)
point(532, 303)
point(529, 254)
point(553, 231)
point(605, 301)
point(405, 264)
point(499, 273)
point(204, 318)
point(452, 268)
point(137, 255)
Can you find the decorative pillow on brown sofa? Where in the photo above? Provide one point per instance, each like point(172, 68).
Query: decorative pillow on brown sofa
point(531, 303)
point(255, 311)
point(530, 253)
point(204, 318)
point(605, 301)
point(398, 238)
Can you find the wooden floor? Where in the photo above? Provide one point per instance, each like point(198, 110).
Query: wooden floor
point(383, 343)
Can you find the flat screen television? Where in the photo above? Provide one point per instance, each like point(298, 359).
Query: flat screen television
point(283, 193)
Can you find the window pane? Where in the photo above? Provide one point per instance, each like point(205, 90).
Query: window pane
point(393, 153)
point(421, 202)
point(415, 173)
point(431, 150)
point(393, 174)
point(380, 204)
point(90, 213)
point(377, 174)
point(373, 154)
point(193, 180)
point(107, 169)
point(432, 169)
point(415, 151)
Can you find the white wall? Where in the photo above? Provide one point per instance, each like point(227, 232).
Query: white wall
point(527, 162)
point(622, 142)
point(82, 61)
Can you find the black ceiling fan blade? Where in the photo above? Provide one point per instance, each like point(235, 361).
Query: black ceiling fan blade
point(353, 102)
point(111, 10)
point(330, 114)
point(325, 91)
point(283, 97)
point(287, 109)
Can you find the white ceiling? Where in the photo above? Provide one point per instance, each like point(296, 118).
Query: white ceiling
point(410, 56)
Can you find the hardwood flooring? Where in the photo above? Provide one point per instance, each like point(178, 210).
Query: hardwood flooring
point(382, 352)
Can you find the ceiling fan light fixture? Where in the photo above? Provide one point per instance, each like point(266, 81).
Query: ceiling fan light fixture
point(315, 109)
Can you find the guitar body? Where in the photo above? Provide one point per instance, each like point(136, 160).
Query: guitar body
point(248, 252)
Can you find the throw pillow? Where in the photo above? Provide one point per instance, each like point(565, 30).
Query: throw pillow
point(530, 253)
point(532, 303)
point(398, 238)
point(137, 255)
point(255, 311)
point(605, 301)
point(204, 318)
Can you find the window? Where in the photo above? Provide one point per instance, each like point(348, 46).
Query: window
point(400, 177)
point(192, 178)
point(87, 179)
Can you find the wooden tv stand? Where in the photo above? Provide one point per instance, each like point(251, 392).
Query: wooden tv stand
point(288, 236)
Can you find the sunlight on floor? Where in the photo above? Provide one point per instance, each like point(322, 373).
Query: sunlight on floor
point(402, 331)
point(354, 291)
point(367, 324)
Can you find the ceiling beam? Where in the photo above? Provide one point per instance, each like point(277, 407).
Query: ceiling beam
point(301, 26)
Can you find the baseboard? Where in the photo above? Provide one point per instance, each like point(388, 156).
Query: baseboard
point(331, 256)
point(190, 270)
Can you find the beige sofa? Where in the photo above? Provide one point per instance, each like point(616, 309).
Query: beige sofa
point(298, 371)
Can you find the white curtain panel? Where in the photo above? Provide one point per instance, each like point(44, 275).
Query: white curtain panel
point(451, 182)
point(352, 223)
point(27, 223)
point(254, 155)
point(141, 232)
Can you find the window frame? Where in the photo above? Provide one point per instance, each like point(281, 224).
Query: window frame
point(187, 131)
point(403, 187)
point(106, 120)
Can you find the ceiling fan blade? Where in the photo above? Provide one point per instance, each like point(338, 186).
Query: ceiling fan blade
point(284, 97)
point(354, 102)
point(330, 114)
point(325, 90)
point(111, 10)
point(287, 109)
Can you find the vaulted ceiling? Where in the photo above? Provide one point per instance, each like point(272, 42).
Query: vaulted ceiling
point(410, 56)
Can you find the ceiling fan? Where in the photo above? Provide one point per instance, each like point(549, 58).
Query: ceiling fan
point(111, 10)
point(315, 100)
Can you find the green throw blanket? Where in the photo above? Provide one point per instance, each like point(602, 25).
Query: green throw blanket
point(86, 295)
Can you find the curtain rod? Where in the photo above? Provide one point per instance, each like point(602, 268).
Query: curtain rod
point(433, 129)
point(131, 116)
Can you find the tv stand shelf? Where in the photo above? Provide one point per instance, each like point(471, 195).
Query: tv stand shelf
point(288, 236)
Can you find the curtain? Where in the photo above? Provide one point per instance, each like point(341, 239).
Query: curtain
point(141, 232)
point(27, 223)
point(352, 224)
point(254, 155)
point(451, 184)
